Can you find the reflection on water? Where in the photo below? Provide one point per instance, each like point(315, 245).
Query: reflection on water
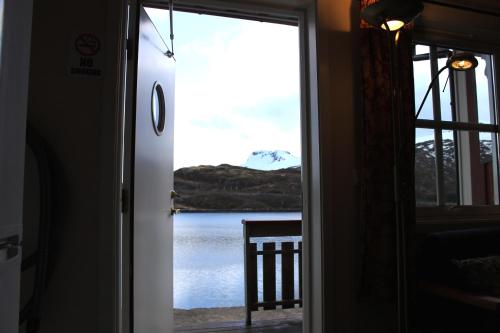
point(208, 258)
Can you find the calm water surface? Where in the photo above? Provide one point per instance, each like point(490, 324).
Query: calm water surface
point(208, 258)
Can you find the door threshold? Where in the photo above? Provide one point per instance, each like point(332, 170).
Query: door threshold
point(261, 326)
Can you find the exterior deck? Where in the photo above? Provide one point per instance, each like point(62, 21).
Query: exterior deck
point(208, 320)
point(265, 326)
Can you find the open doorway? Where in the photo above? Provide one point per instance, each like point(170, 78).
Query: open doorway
point(237, 157)
point(148, 172)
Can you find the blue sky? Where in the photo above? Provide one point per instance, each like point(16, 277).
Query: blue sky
point(237, 88)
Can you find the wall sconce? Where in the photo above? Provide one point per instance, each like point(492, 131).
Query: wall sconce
point(461, 62)
point(392, 14)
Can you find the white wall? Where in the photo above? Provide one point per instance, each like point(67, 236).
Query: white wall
point(77, 117)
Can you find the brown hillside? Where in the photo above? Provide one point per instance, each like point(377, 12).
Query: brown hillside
point(227, 187)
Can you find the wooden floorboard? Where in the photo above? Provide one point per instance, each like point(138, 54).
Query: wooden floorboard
point(265, 326)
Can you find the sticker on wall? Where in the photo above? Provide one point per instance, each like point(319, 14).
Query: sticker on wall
point(85, 55)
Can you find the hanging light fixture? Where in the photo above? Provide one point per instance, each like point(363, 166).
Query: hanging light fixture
point(460, 62)
point(392, 14)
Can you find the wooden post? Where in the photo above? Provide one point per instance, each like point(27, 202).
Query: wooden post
point(300, 274)
point(287, 275)
point(269, 272)
point(250, 258)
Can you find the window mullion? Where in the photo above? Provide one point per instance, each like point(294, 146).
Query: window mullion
point(438, 134)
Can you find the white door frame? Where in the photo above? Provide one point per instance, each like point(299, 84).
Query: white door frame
point(14, 77)
point(312, 220)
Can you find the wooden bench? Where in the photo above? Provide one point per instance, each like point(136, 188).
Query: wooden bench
point(254, 229)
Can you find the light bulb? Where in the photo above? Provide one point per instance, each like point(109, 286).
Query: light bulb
point(393, 25)
point(461, 64)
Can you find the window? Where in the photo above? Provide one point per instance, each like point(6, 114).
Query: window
point(456, 156)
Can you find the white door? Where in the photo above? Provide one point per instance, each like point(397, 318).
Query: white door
point(15, 33)
point(152, 184)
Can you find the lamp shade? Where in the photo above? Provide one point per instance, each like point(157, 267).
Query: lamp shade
point(462, 61)
point(393, 13)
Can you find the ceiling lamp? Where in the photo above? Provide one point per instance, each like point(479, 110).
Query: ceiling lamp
point(392, 14)
point(461, 62)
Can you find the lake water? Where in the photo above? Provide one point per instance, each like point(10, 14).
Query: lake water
point(208, 258)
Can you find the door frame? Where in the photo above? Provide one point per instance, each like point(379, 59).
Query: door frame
point(14, 80)
point(313, 284)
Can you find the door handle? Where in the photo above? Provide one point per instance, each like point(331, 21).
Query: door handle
point(174, 195)
point(9, 249)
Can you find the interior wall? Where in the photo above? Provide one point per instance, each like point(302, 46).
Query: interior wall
point(76, 115)
point(339, 109)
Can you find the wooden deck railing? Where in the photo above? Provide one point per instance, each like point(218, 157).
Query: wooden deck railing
point(254, 229)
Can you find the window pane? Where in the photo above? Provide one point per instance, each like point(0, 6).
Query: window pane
point(421, 49)
point(450, 171)
point(422, 78)
point(444, 91)
point(425, 168)
point(483, 76)
point(473, 93)
point(468, 172)
point(476, 176)
point(486, 141)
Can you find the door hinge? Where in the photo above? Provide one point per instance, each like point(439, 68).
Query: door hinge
point(124, 200)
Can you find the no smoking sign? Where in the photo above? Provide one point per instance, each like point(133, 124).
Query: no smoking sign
point(87, 45)
point(85, 57)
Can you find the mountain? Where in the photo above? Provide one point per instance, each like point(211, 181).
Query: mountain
point(271, 160)
point(425, 176)
point(228, 187)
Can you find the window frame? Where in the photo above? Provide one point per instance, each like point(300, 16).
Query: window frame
point(461, 215)
point(460, 94)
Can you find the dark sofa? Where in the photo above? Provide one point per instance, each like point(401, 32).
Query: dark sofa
point(457, 281)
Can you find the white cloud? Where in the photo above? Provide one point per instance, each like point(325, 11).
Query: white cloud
point(220, 78)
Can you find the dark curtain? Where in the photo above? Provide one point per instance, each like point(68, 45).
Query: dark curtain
point(379, 261)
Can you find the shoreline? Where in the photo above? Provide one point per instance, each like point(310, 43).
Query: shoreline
point(236, 211)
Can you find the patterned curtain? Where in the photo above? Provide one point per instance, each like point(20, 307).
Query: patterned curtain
point(379, 260)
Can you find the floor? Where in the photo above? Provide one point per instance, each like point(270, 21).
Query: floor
point(264, 326)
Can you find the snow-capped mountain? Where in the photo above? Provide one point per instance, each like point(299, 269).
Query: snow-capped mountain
point(425, 169)
point(271, 160)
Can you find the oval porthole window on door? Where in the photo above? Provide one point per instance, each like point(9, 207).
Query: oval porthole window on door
point(158, 108)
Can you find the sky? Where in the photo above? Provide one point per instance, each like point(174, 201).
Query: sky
point(237, 88)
